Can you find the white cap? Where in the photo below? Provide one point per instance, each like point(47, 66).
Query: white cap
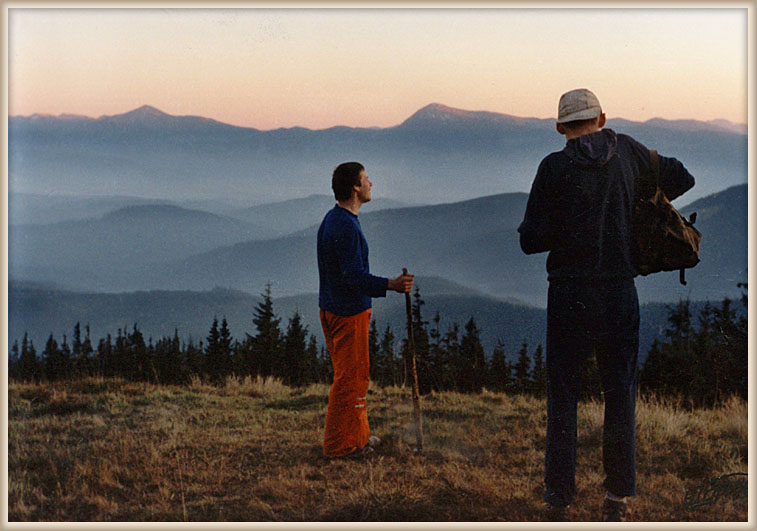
point(579, 104)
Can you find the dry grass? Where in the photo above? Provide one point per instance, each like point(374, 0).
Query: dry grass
point(109, 450)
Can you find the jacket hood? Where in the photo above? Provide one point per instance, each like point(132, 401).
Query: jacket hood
point(592, 150)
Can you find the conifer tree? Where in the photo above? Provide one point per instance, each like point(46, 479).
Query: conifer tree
point(312, 370)
point(373, 350)
point(265, 346)
point(451, 344)
point(138, 353)
point(76, 353)
point(438, 364)
point(499, 370)
point(295, 345)
point(325, 368)
point(522, 370)
point(473, 368)
point(13, 356)
point(387, 369)
point(28, 365)
point(225, 349)
point(65, 360)
point(124, 365)
point(420, 338)
point(539, 373)
point(193, 356)
point(212, 364)
point(52, 360)
point(104, 365)
point(88, 351)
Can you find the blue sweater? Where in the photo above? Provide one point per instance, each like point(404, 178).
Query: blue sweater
point(581, 205)
point(346, 284)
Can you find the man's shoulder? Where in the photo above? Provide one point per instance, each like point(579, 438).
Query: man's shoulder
point(628, 140)
point(556, 159)
point(337, 221)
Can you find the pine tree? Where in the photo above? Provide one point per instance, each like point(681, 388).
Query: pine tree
point(28, 365)
point(373, 350)
point(104, 362)
point(473, 373)
point(138, 352)
point(539, 373)
point(312, 370)
point(522, 370)
point(420, 338)
point(52, 360)
point(499, 370)
point(451, 344)
point(13, 356)
point(438, 364)
point(295, 345)
point(225, 350)
point(124, 366)
point(212, 365)
point(386, 365)
point(266, 345)
point(194, 359)
point(325, 368)
point(66, 364)
point(79, 362)
point(87, 351)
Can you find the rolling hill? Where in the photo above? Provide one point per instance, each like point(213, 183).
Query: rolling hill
point(472, 243)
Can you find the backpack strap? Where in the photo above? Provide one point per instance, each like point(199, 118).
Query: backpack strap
point(649, 181)
point(654, 164)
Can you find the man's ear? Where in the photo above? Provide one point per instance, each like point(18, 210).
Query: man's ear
point(602, 120)
point(560, 128)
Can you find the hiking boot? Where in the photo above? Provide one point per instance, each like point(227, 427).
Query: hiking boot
point(615, 511)
point(556, 513)
point(373, 441)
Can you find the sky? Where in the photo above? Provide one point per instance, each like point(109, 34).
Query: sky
point(317, 68)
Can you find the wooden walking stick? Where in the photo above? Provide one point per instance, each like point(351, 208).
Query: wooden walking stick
point(416, 392)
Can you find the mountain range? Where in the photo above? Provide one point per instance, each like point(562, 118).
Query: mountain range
point(439, 154)
point(185, 217)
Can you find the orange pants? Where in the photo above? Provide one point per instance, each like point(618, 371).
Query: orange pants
point(347, 419)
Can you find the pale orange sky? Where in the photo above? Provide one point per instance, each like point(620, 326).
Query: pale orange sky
point(317, 68)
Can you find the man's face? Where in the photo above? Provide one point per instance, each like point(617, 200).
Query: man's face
point(364, 188)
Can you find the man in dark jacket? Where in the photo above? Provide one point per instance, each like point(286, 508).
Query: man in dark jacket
point(580, 210)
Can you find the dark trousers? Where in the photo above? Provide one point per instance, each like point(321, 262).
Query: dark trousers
point(585, 317)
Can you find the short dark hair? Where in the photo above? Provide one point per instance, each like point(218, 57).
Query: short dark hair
point(345, 176)
point(578, 124)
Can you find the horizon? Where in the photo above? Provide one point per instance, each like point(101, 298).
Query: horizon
point(147, 106)
point(273, 68)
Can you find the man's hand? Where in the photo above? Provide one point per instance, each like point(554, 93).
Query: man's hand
point(401, 284)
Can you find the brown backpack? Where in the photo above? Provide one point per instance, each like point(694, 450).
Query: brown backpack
point(663, 239)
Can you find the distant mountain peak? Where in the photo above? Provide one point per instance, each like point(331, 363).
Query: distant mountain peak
point(141, 113)
point(441, 111)
point(435, 114)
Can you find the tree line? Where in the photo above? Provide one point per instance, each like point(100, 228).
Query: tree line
point(703, 361)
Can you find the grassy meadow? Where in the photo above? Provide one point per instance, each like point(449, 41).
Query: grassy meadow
point(110, 450)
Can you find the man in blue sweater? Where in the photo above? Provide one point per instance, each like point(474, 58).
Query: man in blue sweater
point(580, 210)
point(345, 292)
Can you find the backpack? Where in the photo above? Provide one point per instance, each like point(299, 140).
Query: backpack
point(663, 240)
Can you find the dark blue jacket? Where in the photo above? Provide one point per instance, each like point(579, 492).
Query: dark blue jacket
point(581, 205)
point(346, 285)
